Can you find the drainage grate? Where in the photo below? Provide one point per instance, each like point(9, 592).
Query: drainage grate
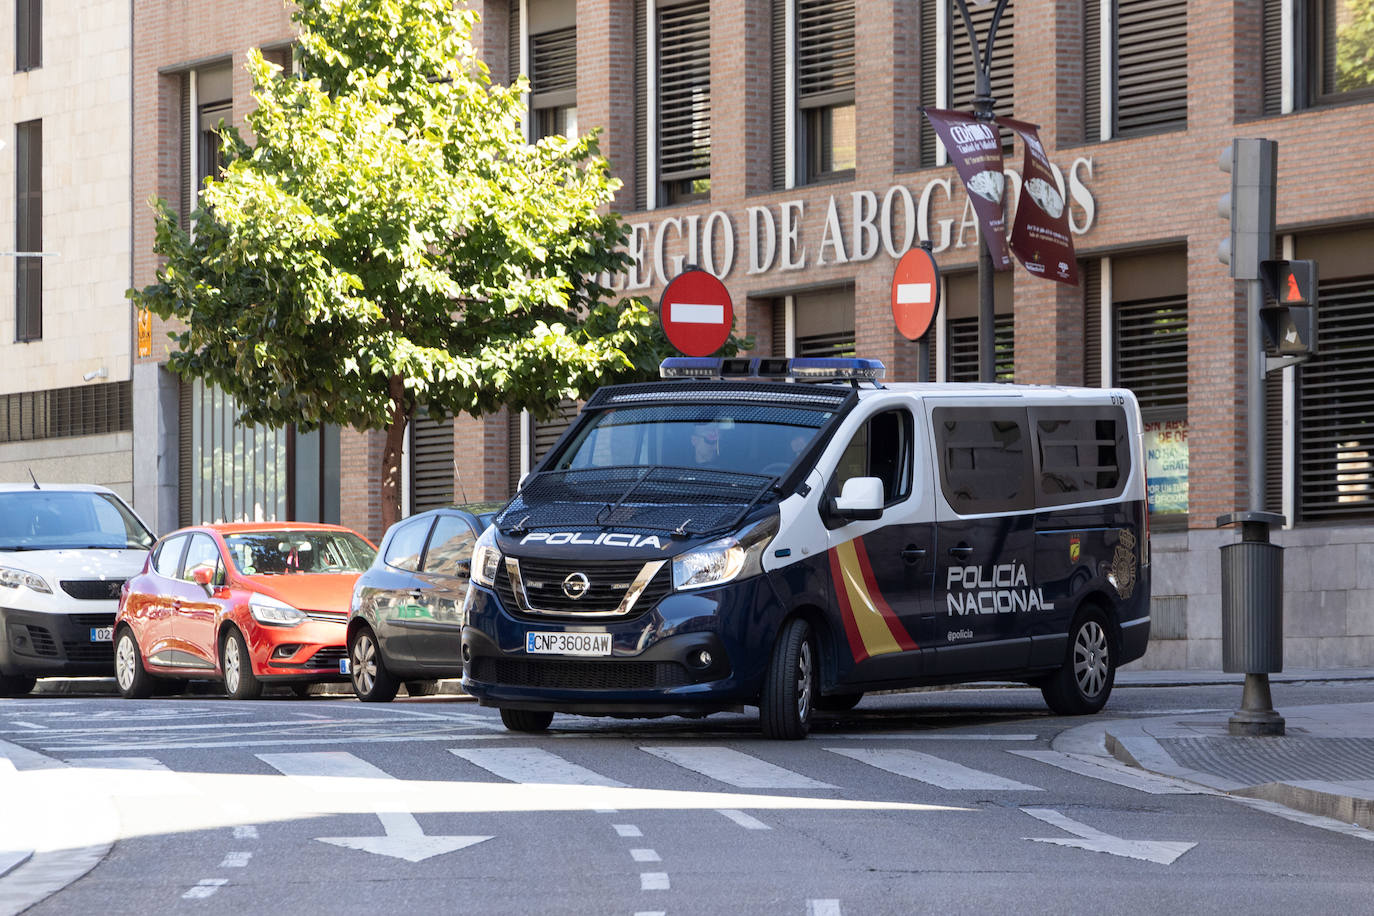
point(1278, 759)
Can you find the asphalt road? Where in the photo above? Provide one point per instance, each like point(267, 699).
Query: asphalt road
point(961, 801)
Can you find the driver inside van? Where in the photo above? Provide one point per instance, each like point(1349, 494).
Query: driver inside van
point(705, 444)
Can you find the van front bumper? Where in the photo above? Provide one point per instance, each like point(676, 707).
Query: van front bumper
point(691, 655)
point(38, 644)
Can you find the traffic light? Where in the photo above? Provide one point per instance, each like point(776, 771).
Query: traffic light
point(1249, 206)
point(1290, 320)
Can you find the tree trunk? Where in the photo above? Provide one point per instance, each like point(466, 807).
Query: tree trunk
point(391, 454)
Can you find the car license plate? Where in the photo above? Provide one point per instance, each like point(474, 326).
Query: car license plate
point(343, 666)
point(102, 634)
point(568, 643)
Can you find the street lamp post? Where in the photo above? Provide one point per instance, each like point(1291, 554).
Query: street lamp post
point(982, 110)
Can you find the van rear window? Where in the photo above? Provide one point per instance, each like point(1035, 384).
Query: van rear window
point(1083, 454)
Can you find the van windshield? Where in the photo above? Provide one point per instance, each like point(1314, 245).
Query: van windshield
point(69, 520)
point(745, 439)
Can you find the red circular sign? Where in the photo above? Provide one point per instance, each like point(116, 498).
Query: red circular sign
point(915, 293)
point(696, 312)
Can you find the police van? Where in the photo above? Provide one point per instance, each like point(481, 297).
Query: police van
point(789, 534)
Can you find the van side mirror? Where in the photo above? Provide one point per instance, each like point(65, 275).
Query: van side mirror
point(860, 500)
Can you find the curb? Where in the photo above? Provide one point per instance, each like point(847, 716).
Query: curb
point(106, 686)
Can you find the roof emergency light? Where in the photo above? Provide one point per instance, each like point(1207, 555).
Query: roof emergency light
point(810, 368)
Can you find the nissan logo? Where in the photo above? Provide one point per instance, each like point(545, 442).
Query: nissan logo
point(576, 585)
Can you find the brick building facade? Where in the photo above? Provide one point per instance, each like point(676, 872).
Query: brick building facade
point(780, 144)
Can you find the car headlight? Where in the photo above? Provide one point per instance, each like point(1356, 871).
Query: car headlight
point(18, 578)
point(275, 613)
point(486, 558)
point(735, 557)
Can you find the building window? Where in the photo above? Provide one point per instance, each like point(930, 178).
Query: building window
point(1341, 50)
point(553, 83)
point(1151, 359)
point(28, 34)
point(206, 103)
point(432, 467)
point(825, 88)
point(961, 356)
point(1145, 48)
point(28, 226)
point(948, 77)
point(684, 101)
point(1335, 448)
point(82, 410)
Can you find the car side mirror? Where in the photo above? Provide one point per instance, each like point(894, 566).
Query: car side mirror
point(861, 499)
point(204, 576)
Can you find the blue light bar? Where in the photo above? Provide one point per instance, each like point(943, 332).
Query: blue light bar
point(812, 368)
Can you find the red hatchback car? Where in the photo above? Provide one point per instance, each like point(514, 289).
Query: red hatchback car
point(248, 603)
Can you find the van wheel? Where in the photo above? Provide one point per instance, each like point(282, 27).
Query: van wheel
point(366, 670)
point(526, 720)
point(839, 702)
point(1082, 685)
point(786, 704)
point(239, 680)
point(422, 688)
point(14, 685)
point(134, 682)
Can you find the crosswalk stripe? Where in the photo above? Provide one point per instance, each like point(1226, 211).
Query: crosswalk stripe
point(533, 765)
point(822, 908)
point(333, 772)
point(746, 821)
point(735, 768)
point(935, 771)
point(1111, 771)
point(136, 776)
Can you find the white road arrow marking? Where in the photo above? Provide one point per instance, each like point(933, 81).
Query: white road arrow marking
point(335, 772)
point(1161, 852)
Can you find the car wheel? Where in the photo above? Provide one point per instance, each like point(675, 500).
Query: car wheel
point(786, 704)
point(13, 685)
point(134, 682)
point(1083, 683)
point(526, 720)
point(839, 702)
point(371, 681)
point(239, 680)
point(422, 688)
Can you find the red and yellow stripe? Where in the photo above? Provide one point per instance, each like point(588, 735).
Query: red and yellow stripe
point(870, 624)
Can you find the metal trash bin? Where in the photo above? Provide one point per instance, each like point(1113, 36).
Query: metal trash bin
point(1252, 602)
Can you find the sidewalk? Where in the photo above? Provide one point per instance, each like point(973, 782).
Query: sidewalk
point(1323, 765)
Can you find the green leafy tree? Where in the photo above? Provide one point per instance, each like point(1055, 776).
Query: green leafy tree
point(389, 240)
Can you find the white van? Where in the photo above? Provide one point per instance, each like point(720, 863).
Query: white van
point(65, 552)
point(792, 533)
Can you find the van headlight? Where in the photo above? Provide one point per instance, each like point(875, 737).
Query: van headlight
point(275, 613)
point(486, 558)
point(735, 557)
point(19, 578)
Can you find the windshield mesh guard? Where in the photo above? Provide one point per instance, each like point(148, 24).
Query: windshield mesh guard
point(684, 501)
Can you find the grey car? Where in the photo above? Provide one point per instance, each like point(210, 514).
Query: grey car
point(405, 625)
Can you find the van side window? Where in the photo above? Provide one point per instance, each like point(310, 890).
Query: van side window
point(1083, 454)
point(881, 448)
point(985, 458)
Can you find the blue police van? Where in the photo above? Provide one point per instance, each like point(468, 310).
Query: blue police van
point(789, 534)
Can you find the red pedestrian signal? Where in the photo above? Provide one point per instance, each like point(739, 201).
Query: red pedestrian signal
point(1293, 294)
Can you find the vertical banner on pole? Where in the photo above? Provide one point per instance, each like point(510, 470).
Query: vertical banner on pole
point(975, 148)
point(1040, 239)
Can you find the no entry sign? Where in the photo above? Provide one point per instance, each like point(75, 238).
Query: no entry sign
point(696, 312)
point(915, 293)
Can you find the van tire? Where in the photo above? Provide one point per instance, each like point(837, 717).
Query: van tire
point(236, 664)
point(839, 702)
point(424, 688)
point(15, 685)
point(526, 720)
point(1083, 683)
point(367, 672)
point(790, 687)
point(132, 679)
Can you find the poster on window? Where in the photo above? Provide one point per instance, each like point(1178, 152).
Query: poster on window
point(1040, 239)
point(1166, 465)
point(975, 148)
